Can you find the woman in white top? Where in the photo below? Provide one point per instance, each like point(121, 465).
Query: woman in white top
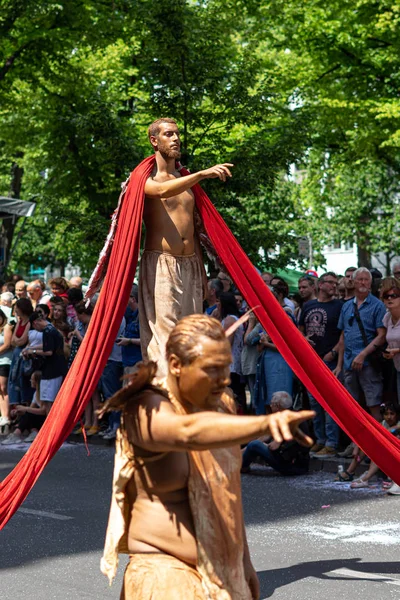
point(390, 294)
point(5, 362)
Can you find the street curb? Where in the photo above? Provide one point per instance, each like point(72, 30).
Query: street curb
point(329, 465)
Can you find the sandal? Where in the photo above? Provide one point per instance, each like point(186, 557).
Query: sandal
point(344, 477)
point(359, 483)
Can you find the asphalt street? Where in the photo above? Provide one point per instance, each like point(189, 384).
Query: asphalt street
point(310, 538)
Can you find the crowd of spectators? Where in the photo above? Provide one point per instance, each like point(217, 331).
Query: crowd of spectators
point(352, 322)
point(41, 329)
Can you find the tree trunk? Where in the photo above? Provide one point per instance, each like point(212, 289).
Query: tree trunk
point(364, 257)
point(10, 223)
point(61, 264)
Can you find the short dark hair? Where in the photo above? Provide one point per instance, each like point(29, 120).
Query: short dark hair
point(75, 295)
point(135, 292)
point(25, 306)
point(44, 308)
point(392, 406)
point(35, 317)
point(82, 309)
point(350, 269)
point(281, 287)
point(327, 274)
point(309, 279)
point(154, 128)
point(217, 285)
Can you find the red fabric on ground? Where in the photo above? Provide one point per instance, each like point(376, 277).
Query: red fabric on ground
point(382, 447)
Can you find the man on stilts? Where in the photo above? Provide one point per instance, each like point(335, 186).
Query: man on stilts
point(172, 280)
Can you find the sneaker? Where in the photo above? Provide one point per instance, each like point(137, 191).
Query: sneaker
point(325, 452)
point(13, 438)
point(394, 490)
point(347, 452)
point(359, 483)
point(93, 430)
point(4, 421)
point(387, 484)
point(104, 432)
point(111, 435)
point(29, 438)
point(317, 447)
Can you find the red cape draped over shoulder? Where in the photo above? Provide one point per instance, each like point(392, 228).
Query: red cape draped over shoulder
point(120, 258)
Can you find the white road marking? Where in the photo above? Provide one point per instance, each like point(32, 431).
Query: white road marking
point(361, 575)
point(43, 513)
point(378, 533)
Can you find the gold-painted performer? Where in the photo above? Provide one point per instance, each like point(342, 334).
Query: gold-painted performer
point(176, 505)
point(172, 280)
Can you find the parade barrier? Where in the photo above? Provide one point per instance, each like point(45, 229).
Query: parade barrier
point(118, 263)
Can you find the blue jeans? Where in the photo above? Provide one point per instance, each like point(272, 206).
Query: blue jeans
point(273, 375)
point(274, 459)
point(325, 428)
point(110, 383)
point(19, 390)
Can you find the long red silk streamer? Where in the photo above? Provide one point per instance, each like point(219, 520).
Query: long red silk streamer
point(92, 356)
point(382, 447)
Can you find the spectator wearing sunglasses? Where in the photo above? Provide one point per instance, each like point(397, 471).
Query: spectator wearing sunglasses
point(390, 294)
point(225, 280)
point(363, 331)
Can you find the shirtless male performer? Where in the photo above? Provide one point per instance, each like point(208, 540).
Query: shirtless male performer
point(172, 279)
point(176, 506)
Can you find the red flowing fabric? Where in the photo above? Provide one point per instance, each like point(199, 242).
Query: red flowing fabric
point(95, 349)
point(382, 447)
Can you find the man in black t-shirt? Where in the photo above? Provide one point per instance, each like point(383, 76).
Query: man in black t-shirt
point(54, 366)
point(318, 321)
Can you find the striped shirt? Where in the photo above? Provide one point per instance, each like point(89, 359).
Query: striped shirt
point(371, 312)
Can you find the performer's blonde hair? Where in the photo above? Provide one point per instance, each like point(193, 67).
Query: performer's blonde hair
point(154, 128)
point(185, 339)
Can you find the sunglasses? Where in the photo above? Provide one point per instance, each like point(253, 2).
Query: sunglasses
point(391, 296)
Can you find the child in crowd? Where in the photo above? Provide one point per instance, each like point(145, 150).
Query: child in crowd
point(391, 421)
point(30, 418)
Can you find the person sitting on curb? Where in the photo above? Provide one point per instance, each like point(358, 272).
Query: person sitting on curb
point(391, 416)
point(287, 457)
point(31, 418)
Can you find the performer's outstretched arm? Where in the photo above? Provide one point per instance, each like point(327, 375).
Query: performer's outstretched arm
point(177, 185)
point(155, 426)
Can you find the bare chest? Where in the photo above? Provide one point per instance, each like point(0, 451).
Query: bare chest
point(164, 475)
